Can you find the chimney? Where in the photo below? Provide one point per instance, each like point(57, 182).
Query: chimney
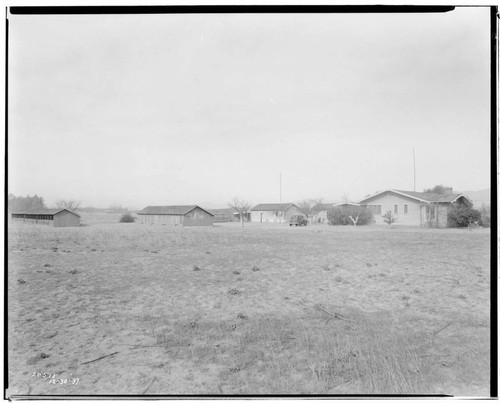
point(447, 191)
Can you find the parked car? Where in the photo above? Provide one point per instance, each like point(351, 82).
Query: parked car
point(298, 221)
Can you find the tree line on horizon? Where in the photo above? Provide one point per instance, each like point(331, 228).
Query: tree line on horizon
point(37, 203)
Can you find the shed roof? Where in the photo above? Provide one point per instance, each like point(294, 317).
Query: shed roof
point(170, 210)
point(45, 212)
point(272, 206)
point(421, 196)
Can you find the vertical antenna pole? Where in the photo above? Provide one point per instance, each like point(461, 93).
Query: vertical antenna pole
point(414, 173)
point(280, 187)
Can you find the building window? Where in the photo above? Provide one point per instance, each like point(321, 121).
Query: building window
point(396, 209)
point(375, 208)
point(405, 208)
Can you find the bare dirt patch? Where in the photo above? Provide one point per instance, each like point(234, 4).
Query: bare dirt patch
point(313, 310)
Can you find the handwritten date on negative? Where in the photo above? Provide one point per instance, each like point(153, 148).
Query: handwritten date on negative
point(52, 378)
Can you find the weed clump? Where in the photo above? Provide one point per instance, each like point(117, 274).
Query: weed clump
point(234, 291)
point(36, 358)
point(127, 217)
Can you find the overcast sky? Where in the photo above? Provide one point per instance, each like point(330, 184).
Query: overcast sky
point(196, 109)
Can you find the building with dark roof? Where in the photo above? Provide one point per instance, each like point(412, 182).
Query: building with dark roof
point(414, 208)
point(274, 212)
point(190, 215)
point(50, 217)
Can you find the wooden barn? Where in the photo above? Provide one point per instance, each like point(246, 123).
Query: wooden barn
point(53, 218)
point(176, 216)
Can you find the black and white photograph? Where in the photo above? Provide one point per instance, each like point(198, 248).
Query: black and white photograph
point(228, 201)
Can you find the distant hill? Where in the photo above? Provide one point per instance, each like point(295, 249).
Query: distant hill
point(478, 197)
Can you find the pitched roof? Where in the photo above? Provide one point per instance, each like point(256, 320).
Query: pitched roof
point(226, 210)
point(328, 206)
point(272, 206)
point(52, 211)
point(433, 197)
point(170, 210)
point(421, 196)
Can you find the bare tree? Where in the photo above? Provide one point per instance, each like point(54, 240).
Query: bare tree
point(354, 220)
point(72, 205)
point(345, 198)
point(307, 206)
point(241, 207)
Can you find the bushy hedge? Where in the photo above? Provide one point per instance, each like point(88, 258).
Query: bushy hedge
point(127, 217)
point(340, 215)
point(461, 215)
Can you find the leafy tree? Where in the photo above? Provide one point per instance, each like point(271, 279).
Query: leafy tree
point(389, 217)
point(439, 189)
point(462, 215)
point(241, 207)
point(349, 215)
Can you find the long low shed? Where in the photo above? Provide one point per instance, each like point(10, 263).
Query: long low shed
point(53, 218)
point(191, 215)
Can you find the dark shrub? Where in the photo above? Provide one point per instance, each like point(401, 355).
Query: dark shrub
point(461, 215)
point(340, 215)
point(127, 217)
point(485, 212)
point(485, 221)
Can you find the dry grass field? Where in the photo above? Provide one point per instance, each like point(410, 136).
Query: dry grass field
point(133, 309)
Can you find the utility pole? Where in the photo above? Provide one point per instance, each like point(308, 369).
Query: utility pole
point(280, 187)
point(414, 173)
